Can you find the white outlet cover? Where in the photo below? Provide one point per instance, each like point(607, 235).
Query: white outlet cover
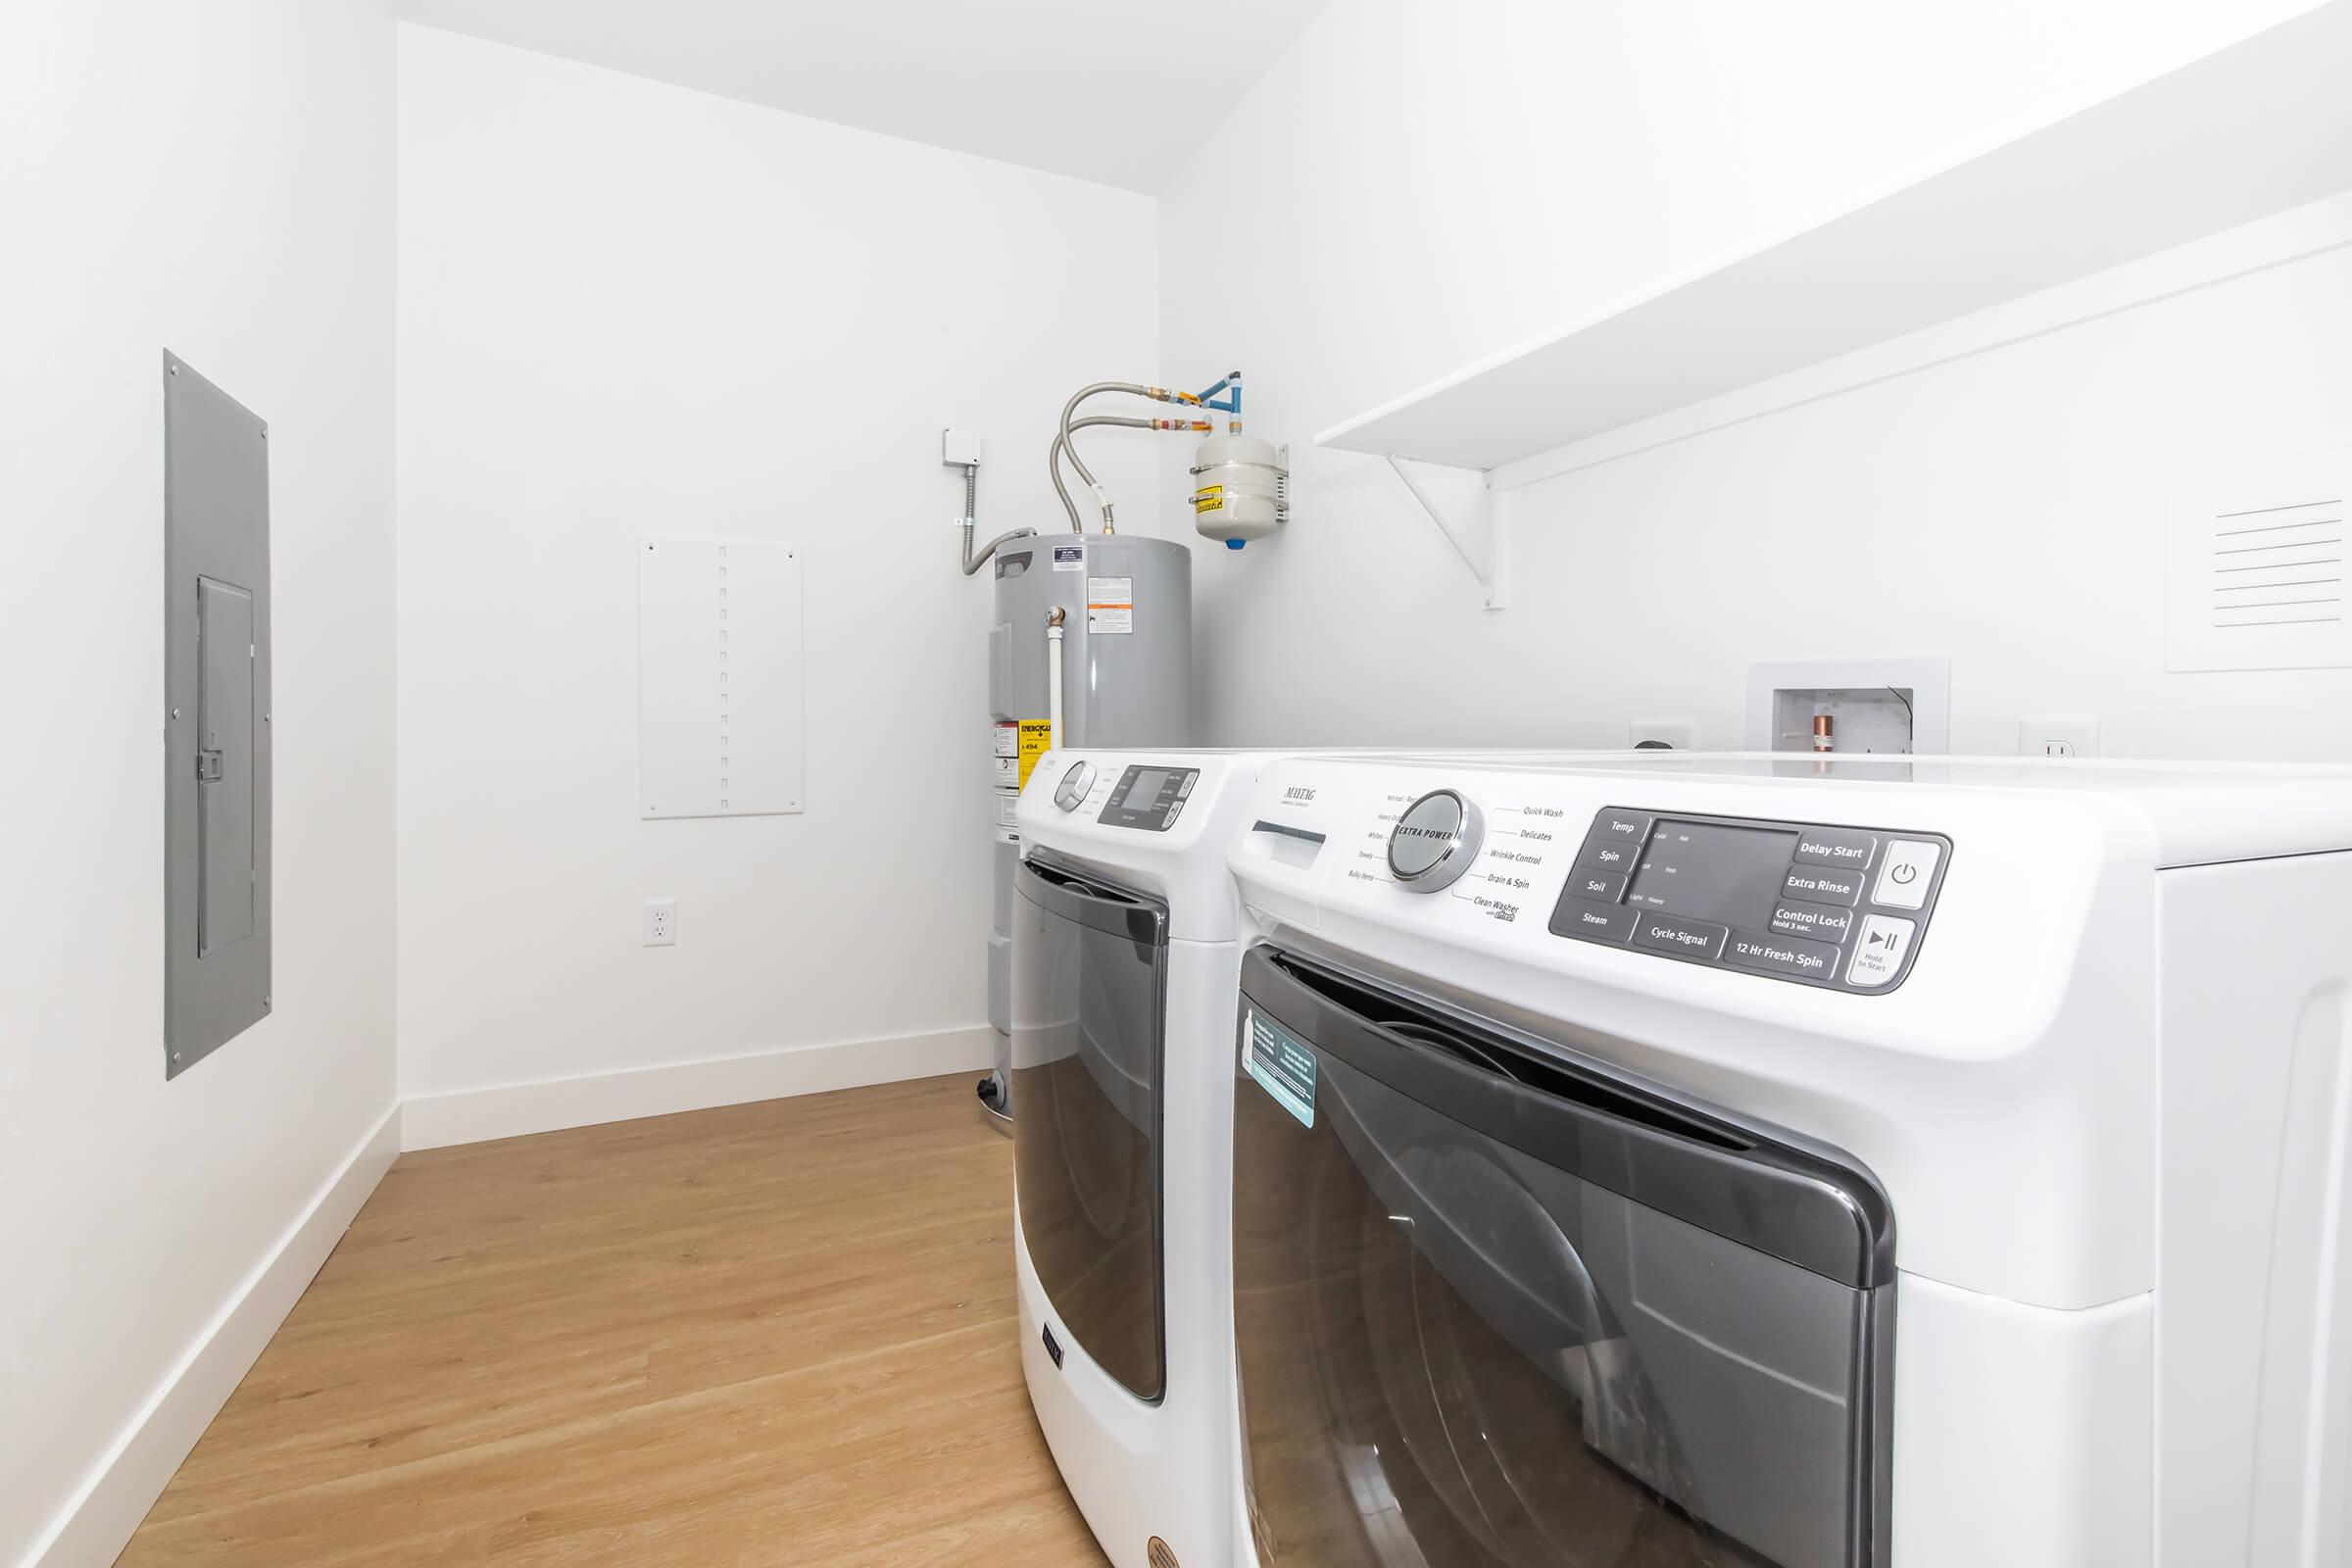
point(2058, 736)
point(660, 922)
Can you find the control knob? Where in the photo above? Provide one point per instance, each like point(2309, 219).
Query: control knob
point(1434, 840)
point(1074, 784)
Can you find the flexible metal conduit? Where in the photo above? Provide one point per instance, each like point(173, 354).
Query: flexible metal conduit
point(971, 517)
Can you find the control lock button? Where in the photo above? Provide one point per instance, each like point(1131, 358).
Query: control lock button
point(1791, 955)
point(1812, 920)
point(1822, 846)
point(1910, 869)
point(1879, 948)
point(1602, 887)
point(1693, 939)
point(1595, 922)
point(1824, 884)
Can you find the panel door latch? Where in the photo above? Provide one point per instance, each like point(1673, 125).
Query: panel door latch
point(209, 768)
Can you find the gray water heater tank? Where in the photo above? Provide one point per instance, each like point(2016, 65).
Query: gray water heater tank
point(1126, 679)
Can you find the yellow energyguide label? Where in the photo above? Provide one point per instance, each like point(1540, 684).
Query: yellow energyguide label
point(1036, 735)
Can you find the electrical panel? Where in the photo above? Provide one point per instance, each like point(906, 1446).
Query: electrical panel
point(217, 727)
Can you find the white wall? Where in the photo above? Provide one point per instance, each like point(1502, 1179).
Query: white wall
point(628, 309)
point(1421, 187)
point(216, 180)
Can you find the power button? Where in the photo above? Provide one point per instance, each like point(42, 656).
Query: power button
point(1905, 873)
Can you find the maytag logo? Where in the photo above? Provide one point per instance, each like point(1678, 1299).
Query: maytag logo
point(1300, 793)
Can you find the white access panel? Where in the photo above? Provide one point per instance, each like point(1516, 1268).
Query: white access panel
point(719, 677)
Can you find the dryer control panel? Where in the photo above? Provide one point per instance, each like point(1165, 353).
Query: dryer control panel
point(1838, 907)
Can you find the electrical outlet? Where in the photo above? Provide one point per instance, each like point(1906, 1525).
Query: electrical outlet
point(660, 922)
point(2058, 735)
point(1676, 734)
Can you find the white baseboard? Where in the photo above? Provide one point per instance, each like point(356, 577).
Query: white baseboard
point(93, 1528)
point(547, 1105)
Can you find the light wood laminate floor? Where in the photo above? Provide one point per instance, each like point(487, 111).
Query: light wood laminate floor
point(768, 1334)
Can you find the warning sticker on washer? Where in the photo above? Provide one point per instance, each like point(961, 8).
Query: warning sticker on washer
point(1283, 1066)
point(1070, 558)
point(1110, 605)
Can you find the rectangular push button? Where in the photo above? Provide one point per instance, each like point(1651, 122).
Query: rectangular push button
point(1824, 884)
point(1878, 954)
point(1820, 920)
point(1692, 939)
point(1609, 855)
point(1619, 827)
point(1601, 887)
point(1789, 955)
point(1595, 922)
point(1823, 845)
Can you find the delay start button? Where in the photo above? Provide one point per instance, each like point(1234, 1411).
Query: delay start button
point(1822, 846)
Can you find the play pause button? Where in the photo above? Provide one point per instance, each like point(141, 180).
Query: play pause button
point(1880, 948)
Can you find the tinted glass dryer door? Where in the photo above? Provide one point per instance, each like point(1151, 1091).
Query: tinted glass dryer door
point(1498, 1307)
point(1090, 978)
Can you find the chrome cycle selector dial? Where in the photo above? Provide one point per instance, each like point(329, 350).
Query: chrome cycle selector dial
point(1434, 840)
point(1074, 784)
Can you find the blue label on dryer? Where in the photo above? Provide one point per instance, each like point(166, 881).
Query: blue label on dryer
point(1283, 1066)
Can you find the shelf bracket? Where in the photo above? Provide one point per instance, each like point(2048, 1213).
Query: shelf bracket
point(1471, 518)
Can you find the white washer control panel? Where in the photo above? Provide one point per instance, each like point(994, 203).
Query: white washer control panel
point(1790, 901)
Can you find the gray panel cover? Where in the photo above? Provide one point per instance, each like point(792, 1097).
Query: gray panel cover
point(216, 718)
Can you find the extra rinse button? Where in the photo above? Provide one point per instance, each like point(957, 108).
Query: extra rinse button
point(1821, 884)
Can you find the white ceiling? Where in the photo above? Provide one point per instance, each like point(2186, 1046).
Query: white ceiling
point(1118, 91)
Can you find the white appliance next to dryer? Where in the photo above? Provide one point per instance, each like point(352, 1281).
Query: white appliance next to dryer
point(1124, 966)
point(1821, 1163)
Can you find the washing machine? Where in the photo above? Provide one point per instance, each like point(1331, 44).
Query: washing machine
point(1124, 969)
point(1742, 1161)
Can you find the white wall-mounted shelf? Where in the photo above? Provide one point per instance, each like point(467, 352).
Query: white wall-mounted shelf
point(2252, 130)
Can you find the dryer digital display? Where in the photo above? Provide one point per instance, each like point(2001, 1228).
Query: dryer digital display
point(1836, 906)
point(1149, 798)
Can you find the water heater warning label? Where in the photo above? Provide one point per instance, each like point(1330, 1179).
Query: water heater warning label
point(1110, 605)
